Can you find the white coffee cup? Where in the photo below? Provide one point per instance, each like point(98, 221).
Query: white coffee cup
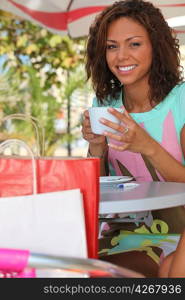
point(95, 113)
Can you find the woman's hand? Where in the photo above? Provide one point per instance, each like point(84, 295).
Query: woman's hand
point(97, 143)
point(87, 133)
point(129, 136)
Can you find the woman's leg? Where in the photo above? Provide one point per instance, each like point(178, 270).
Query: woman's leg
point(134, 260)
point(174, 264)
point(165, 266)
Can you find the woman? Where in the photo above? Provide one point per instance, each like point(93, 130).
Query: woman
point(133, 61)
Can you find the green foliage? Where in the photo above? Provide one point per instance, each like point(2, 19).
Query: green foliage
point(37, 65)
point(22, 38)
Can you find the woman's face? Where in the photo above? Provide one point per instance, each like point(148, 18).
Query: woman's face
point(128, 51)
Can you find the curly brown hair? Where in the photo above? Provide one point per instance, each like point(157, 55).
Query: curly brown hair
point(165, 72)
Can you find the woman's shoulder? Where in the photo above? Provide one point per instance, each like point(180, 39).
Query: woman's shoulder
point(176, 96)
point(178, 90)
point(182, 90)
point(178, 102)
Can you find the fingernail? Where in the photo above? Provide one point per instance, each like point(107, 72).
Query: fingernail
point(102, 120)
point(111, 145)
point(105, 133)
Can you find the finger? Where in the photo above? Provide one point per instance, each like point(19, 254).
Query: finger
point(116, 137)
point(119, 148)
point(93, 137)
point(86, 130)
point(86, 114)
point(124, 116)
point(89, 136)
point(118, 127)
point(86, 122)
point(85, 118)
point(127, 114)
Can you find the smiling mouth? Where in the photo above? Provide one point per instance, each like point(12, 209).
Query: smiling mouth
point(127, 68)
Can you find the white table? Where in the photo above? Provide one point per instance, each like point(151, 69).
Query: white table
point(146, 196)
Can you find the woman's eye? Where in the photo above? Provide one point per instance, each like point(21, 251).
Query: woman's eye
point(135, 44)
point(111, 47)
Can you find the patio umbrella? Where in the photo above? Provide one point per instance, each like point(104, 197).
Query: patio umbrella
point(73, 17)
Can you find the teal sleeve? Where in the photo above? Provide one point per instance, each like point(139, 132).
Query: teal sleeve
point(182, 104)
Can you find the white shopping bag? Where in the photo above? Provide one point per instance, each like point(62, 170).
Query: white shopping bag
point(47, 223)
point(51, 223)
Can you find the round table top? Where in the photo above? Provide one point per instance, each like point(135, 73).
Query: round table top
point(145, 196)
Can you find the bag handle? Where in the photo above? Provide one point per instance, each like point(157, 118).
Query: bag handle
point(16, 260)
point(39, 130)
point(21, 143)
point(82, 265)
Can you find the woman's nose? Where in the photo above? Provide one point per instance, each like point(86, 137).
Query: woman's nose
point(122, 53)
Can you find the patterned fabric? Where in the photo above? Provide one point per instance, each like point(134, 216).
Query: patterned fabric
point(155, 240)
point(164, 123)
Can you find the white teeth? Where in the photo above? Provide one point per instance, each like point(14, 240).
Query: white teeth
point(127, 68)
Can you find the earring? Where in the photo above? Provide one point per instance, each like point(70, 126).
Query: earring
point(112, 83)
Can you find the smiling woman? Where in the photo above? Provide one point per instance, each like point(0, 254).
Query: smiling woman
point(133, 60)
point(129, 52)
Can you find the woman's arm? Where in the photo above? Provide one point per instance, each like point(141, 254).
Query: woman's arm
point(101, 152)
point(136, 139)
point(169, 168)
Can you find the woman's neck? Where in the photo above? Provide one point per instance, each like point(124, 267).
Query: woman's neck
point(136, 100)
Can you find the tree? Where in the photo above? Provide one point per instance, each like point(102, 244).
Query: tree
point(45, 71)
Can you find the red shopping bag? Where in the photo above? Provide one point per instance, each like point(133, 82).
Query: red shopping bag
point(56, 174)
